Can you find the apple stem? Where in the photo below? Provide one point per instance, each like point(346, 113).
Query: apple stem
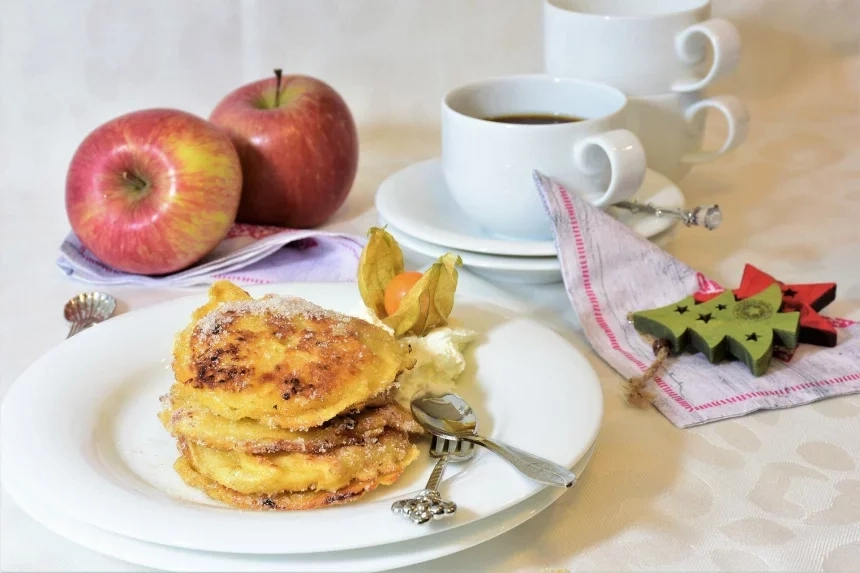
point(278, 73)
point(135, 180)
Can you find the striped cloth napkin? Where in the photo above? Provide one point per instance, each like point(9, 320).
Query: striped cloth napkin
point(610, 271)
point(250, 254)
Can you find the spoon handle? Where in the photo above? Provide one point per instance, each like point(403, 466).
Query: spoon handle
point(707, 216)
point(537, 468)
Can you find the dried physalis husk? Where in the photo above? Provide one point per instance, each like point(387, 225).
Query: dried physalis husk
point(381, 260)
point(427, 304)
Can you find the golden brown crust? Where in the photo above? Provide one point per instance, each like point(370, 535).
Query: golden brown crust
point(279, 472)
point(295, 501)
point(282, 360)
point(189, 422)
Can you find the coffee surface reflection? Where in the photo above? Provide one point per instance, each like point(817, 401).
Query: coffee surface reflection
point(533, 118)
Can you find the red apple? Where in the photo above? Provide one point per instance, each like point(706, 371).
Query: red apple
point(299, 149)
point(153, 191)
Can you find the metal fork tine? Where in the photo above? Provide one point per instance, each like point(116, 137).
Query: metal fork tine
point(437, 446)
point(457, 450)
point(460, 450)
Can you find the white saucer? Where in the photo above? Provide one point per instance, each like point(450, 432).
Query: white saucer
point(416, 201)
point(527, 270)
point(381, 558)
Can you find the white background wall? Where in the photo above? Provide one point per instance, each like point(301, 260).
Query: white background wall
point(66, 66)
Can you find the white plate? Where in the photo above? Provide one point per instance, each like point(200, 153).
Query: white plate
point(100, 456)
point(416, 201)
point(532, 270)
point(351, 561)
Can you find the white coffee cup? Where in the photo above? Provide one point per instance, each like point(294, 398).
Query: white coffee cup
point(489, 165)
point(642, 47)
point(671, 128)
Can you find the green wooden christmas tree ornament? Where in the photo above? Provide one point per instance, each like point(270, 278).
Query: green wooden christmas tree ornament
point(744, 329)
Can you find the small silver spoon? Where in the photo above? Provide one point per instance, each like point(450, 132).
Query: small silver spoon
point(707, 216)
point(449, 416)
point(87, 309)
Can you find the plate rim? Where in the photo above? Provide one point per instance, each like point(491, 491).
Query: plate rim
point(481, 532)
point(478, 260)
point(385, 205)
point(420, 230)
point(587, 373)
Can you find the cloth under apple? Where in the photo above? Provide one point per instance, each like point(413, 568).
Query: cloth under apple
point(250, 254)
point(610, 272)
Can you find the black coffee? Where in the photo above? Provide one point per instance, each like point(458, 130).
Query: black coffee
point(533, 118)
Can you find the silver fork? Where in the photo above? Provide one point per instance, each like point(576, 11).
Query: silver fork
point(428, 503)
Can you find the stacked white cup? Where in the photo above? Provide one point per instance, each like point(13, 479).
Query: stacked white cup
point(655, 51)
point(628, 75)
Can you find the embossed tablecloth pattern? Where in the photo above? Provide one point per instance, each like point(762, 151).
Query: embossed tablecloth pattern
point(772, 491)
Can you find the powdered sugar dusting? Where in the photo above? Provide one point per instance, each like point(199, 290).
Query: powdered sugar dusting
point(281, 306)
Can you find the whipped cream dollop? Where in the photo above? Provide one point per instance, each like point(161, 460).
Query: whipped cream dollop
point(439, 358)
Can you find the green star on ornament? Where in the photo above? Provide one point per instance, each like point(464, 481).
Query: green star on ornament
point(746, 329)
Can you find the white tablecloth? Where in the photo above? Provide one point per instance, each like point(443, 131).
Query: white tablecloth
point(776, 491)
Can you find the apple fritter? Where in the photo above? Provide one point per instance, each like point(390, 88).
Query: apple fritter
point(186, 421)
point(287, 501)
point(282, 360)
point(279, 472)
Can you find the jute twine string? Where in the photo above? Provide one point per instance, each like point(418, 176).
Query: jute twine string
point(636, 390)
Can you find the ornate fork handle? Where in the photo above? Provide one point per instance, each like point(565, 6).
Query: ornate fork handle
point(428, 503)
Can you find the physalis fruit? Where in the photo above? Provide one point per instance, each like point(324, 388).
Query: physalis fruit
point(397, 289)
point(409, 302)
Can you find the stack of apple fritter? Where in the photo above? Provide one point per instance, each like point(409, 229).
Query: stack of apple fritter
point(281, 404)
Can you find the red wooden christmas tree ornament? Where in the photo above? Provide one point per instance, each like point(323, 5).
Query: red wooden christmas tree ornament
point(807, 299)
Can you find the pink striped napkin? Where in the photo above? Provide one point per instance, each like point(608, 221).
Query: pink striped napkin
point(250, 254)
point(610, 271)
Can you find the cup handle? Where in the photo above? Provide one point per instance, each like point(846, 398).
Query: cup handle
point(626, 163)
point(725, 42)
point(737, 119)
